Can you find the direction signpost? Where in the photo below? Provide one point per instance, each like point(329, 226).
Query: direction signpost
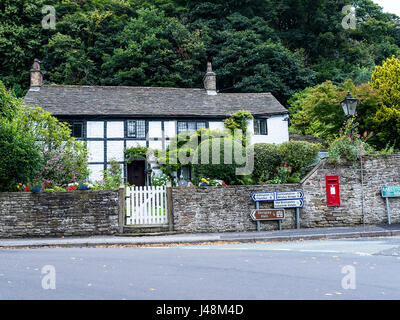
point(390, 192)
point(263, 196)
point(289, 195)
point(281, 200)
point(267, 214)
point(291, 203)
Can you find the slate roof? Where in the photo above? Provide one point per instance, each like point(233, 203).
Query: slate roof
point(148, 101)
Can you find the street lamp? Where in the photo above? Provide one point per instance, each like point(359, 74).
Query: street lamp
point(349, 105)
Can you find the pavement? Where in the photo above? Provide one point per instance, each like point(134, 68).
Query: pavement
point(207, 238)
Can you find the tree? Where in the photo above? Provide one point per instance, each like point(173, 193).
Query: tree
point(316, 110)
point(20, 160)
point(386, 79)
point(21, 39)
point(8, 102)
point(64, 157)
point(155, 50)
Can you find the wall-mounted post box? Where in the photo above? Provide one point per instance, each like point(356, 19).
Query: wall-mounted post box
point(332, 191)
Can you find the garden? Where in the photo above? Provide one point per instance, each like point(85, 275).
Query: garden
point(38, 153)
point(197, 152)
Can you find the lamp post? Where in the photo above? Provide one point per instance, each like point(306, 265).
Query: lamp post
point(349, 105)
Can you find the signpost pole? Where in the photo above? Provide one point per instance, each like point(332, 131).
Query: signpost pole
point(298, 218)
point(387, 209)
point(280, 225)
point(258, 222)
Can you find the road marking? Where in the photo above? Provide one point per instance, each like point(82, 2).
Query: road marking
point(316, 250)
point(363, 253)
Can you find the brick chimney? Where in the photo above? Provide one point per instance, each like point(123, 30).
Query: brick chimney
point(210, 80)
point(36, 75)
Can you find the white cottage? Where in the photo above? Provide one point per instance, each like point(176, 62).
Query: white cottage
point(112, 118)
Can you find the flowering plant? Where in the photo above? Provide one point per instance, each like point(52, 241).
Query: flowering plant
point(282, 175)
point(22, 188)
point(37, 188)
point(85, 186)
point(211, 182)
point(72, 187)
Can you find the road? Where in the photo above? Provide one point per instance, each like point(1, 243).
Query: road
point(326, 269)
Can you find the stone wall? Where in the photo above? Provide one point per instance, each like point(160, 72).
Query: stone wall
point(221, 209)
point(224, 209)
point(25, 214)
point(377, 172)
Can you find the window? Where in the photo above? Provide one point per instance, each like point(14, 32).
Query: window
point(136, 129)
point(190, 126)
point(260, 127)
point(77, 129)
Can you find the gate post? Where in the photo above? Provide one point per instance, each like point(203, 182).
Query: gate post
point(170, 207)
point(121, 216)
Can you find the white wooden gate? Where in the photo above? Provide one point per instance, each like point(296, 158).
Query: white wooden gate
point(146, 205)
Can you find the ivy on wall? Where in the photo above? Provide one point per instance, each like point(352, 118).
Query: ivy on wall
point(135, 152)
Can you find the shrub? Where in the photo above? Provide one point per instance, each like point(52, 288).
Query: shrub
point(20, 160)
point(266, 160)
point(270, 161)
point(299, 154)
point(219, 169)
point(160, 181)
point(65, 157)
point(349, 145)
point(112, 178)
point(63, 167)
point(238, 121)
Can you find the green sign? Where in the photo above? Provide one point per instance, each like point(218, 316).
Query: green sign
point(390, 191)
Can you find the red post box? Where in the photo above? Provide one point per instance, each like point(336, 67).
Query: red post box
point(332, 191)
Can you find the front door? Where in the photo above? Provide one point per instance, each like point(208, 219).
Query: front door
point(136, 173)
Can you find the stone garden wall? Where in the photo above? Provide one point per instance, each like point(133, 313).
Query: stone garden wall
point(210, 209)
point(220, 209)
point(48, 214)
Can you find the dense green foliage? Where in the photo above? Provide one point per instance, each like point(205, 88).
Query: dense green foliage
point(278, 46)
point(112, 177)
point(349, 145)
point(286, 162)
point(133, 153)
point(20, 159)
point(214, 162)
point(386, 79)
point(316, 110)
point(238, 121)
point(36, 147)
point(182, 148)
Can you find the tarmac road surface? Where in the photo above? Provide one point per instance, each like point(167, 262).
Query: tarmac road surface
point(317, 269)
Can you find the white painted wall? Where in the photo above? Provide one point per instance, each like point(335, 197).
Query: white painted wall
point(96, 151)
point(216, 125)
point(96, 172)
point(155, 129)
point(135, 143)
point(115, 150)
point(155, 144)
point(278, 131)
point(115, 129)
point(169, 129)
point(95, 129)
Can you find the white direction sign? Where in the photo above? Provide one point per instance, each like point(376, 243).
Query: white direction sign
point(286, 195)
point(294, 203)
point(263, 196)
